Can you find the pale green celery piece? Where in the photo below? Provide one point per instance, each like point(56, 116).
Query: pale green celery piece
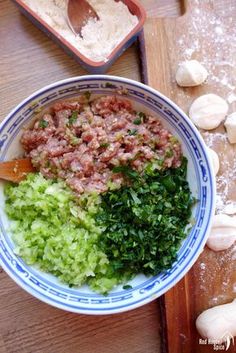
point(57, 232)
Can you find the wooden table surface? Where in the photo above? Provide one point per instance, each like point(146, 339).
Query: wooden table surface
point(28, 61)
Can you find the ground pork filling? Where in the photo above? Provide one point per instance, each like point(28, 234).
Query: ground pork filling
point(82, 142)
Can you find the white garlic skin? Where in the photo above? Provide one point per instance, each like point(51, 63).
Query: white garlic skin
point(191, 73)
point(223, 232)
point(230, 125)
point(208, 111)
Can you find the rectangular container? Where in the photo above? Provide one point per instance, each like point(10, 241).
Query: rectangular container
point(92, 66)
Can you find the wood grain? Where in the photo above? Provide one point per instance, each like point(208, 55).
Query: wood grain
point(166, 42)
point(29, 60)
point(163, 8)
point(29, 326)
point(16, 170)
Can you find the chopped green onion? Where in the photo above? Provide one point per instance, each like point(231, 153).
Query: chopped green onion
point(137, 121)
point(43, 123)
point(87, 95)
point(132, 132)
point(104, 144)
point(72, 119)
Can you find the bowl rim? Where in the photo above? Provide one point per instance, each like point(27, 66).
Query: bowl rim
point(141, 15)
point(50, 300)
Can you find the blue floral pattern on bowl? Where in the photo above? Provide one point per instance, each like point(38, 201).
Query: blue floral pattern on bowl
point(200, 176)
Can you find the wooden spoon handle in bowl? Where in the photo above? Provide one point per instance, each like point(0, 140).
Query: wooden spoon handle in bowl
point(16, 170)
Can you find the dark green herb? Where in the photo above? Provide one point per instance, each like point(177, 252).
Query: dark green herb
point(169, 153)
point(104, 144)
point(87, 95)
point(72, 119)
point(145, 220)
point(127, 171)
point(127, 286)
point(43, 123)
point(137, 121)
point(47, 164)
point(141, 117)
point(132, 132)
point(109, 85)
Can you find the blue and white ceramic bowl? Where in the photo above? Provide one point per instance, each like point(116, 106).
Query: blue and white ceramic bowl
point(200, 176)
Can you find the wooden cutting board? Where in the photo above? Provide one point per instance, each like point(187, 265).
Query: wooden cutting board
point(206, 32)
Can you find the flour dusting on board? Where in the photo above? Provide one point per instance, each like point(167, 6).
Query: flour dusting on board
point(218, 265)
point(211, 39)
point(220, 42)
